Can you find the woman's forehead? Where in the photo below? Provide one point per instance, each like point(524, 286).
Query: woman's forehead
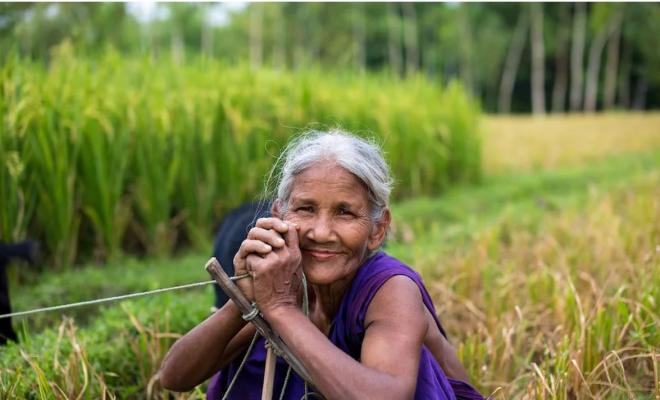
point(328, 179)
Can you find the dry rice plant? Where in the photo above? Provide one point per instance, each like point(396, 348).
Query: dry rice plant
point(565, 309)
point(521, 142)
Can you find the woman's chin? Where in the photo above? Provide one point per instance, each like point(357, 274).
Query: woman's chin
point(321, 273)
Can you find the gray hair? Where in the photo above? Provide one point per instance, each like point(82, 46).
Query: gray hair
point(361, 157)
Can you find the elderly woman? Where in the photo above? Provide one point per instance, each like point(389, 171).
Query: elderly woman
point(371, 331)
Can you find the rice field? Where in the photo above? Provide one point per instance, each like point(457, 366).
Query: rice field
point(546, 276)
point(512, 143)
point(111, 156)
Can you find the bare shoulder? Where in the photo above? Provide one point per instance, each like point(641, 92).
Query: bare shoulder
point(397, 300)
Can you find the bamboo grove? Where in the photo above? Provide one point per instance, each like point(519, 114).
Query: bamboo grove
point(111, 155)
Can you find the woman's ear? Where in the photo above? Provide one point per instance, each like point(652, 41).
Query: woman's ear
point(377, 236)
point(275, 209)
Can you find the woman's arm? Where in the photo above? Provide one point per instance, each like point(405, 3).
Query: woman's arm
point(220, 338)
point(205, 349)
point(443, 351)
point(395, 330)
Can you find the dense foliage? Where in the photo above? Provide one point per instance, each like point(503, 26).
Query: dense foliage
point(516, 57)
point(112, 154)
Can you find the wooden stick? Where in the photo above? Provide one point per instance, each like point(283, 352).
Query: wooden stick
point(269, 375)
point(214, 268)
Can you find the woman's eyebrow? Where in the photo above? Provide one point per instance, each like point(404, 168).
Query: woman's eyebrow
point(344, 204)
point(303, 200)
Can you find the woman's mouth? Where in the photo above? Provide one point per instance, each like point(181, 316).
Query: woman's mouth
point(322, 255)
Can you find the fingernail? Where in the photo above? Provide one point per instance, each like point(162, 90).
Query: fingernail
point(279, 241)
point(268, 247)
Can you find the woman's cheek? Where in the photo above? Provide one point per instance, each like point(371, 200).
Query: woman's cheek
point(291, 217)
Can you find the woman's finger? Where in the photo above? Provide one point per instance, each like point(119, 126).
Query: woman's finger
point(258, 264)
point(268, 236)
point(291, 236)
point(273, 223)
point(250, 246)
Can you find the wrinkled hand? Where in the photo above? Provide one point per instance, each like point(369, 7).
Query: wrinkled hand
point(271, 255)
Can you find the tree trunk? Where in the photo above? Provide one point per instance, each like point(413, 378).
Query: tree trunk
point(394, 39)
point(279, 33)
point(593, 69)
point(561, 62)
point(177, 46)
point(639, 102)
point(207, 33)
point(312, 32)
point(612, 63)
point(538, 59)
point(298, 51)
point(256, 37)
point(359, 38)
point(410, 38)
point(512, 62)
point(577, 55)
point(624, 78)
point(466, 49)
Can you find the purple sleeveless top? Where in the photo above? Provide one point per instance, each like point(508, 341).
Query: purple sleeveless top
point(346, 332)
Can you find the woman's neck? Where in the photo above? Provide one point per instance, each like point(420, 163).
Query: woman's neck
point(325, 301)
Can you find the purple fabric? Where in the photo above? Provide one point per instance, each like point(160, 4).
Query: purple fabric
point(347, 332)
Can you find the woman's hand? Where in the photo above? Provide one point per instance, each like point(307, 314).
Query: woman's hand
point(270, 244)
point(277, 274)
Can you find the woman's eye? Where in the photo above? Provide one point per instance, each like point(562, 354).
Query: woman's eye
point(344, 211)
point(308, 209)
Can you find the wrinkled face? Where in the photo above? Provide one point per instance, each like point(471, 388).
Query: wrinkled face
point(331, 207)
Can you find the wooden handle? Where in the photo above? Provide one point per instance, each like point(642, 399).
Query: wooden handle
point(214, 268)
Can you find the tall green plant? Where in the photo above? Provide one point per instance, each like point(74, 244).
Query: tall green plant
point(166, 149)
point(197, 181)
point(17, 197)
point(103, 167)
point(52, 162)
point(156, 165)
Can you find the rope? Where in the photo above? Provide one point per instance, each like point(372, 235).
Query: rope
point(240, 367)
point(305, 307)
point(307, 394)
point(252, 314)
point(110, 299)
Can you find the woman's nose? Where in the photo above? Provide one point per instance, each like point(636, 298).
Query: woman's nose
point(321, 229)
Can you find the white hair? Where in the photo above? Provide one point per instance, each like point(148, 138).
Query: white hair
point(361, 157)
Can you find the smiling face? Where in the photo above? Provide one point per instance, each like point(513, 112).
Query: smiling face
point(331, 207)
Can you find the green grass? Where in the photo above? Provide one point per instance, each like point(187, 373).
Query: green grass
point(116, 354)
point(120, 277)
point(439, 224)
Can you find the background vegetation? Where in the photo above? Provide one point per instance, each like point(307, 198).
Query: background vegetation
point(537, 57)
point(119, 153)
point(546, 279)
point(125, 136)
